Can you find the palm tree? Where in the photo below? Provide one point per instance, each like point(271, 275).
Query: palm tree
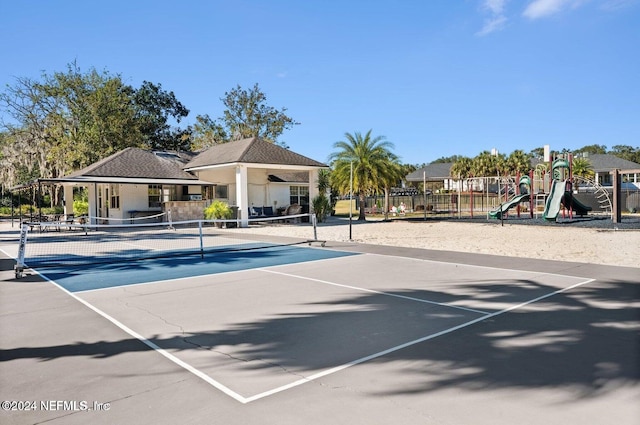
point(519, 162)
point(371, 158)
point(483, 164)
point(582, 167)
point(462, 168)
point(321, 204)
point(324, 181)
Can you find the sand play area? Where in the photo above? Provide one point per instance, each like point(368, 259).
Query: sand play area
point(552, 242)
point(561, 242)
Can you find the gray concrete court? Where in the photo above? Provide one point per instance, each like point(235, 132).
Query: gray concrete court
point(395, 335)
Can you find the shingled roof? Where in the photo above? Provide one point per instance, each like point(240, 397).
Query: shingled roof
point(607, 162)
point(140, 163)
point(434, 171)
point(252, 151)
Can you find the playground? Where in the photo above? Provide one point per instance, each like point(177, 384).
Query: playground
point(550, 192)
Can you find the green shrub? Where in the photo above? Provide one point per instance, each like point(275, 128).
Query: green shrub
point(80, 207)
point(321, 207)
point(217, 210)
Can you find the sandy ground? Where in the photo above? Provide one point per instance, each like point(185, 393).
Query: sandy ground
point(562, 243)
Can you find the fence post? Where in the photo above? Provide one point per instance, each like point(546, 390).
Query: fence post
point(617, 195)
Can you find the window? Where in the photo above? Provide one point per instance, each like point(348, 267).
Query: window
point(222, 192)
point(115, 196)
point(207, 192)
point(299, 195)
point(155, 193)
point(169, 193)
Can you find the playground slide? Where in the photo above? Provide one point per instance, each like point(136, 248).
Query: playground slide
point(552, 207)
point(578, 207)
point(508, 205)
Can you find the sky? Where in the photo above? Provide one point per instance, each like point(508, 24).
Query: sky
point(436, 78)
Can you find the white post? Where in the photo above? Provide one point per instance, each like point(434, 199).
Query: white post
point(242, 195)
point(68, 200)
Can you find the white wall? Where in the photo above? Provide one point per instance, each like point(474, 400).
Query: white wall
point(261, 191)
point(279, 192)
point(133, 197)
point(222, 177)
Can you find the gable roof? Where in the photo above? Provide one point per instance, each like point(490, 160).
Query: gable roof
point(253, 151)
point(140, 163)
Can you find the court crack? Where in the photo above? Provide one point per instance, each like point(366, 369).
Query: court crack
point(157, 316)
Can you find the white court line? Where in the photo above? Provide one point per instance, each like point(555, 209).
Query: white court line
point(420, 300)
point(408, 344)
point(245, 400)
point(226, 390)
point(453, 263)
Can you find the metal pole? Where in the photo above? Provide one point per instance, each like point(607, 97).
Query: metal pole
point(350, 199)
point(201, 241)
point(314, 221)
point(424, 193)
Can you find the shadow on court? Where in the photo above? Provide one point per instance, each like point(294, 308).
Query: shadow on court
point(586, 339)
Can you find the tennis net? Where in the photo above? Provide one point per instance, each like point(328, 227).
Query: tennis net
point(50, 245)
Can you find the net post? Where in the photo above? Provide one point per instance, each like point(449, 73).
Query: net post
point(201, 241)
point(19, 267)
point(171, 223)
point(314, 221)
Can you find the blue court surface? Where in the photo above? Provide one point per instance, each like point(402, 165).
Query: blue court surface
point(129, 272)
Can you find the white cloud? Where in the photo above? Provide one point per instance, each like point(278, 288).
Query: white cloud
point(492, 25)
point(543, 8)
point(494, 6)
point(497, 19)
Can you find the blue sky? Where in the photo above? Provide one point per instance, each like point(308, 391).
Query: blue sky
point(435, 77)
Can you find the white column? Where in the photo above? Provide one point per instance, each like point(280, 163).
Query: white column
point(313, 187)
point(68, 200)
point(242, 195)
point(93, 201)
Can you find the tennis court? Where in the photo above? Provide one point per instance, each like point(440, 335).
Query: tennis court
point(347, 333)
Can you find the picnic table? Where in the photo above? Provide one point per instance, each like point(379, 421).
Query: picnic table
point(55, 222)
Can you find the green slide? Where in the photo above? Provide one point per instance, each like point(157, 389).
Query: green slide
point(508, 205)
point(578, 207)
point(552, 207)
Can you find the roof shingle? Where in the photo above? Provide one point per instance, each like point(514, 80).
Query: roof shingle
point(140, 163)
point(254, 151)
